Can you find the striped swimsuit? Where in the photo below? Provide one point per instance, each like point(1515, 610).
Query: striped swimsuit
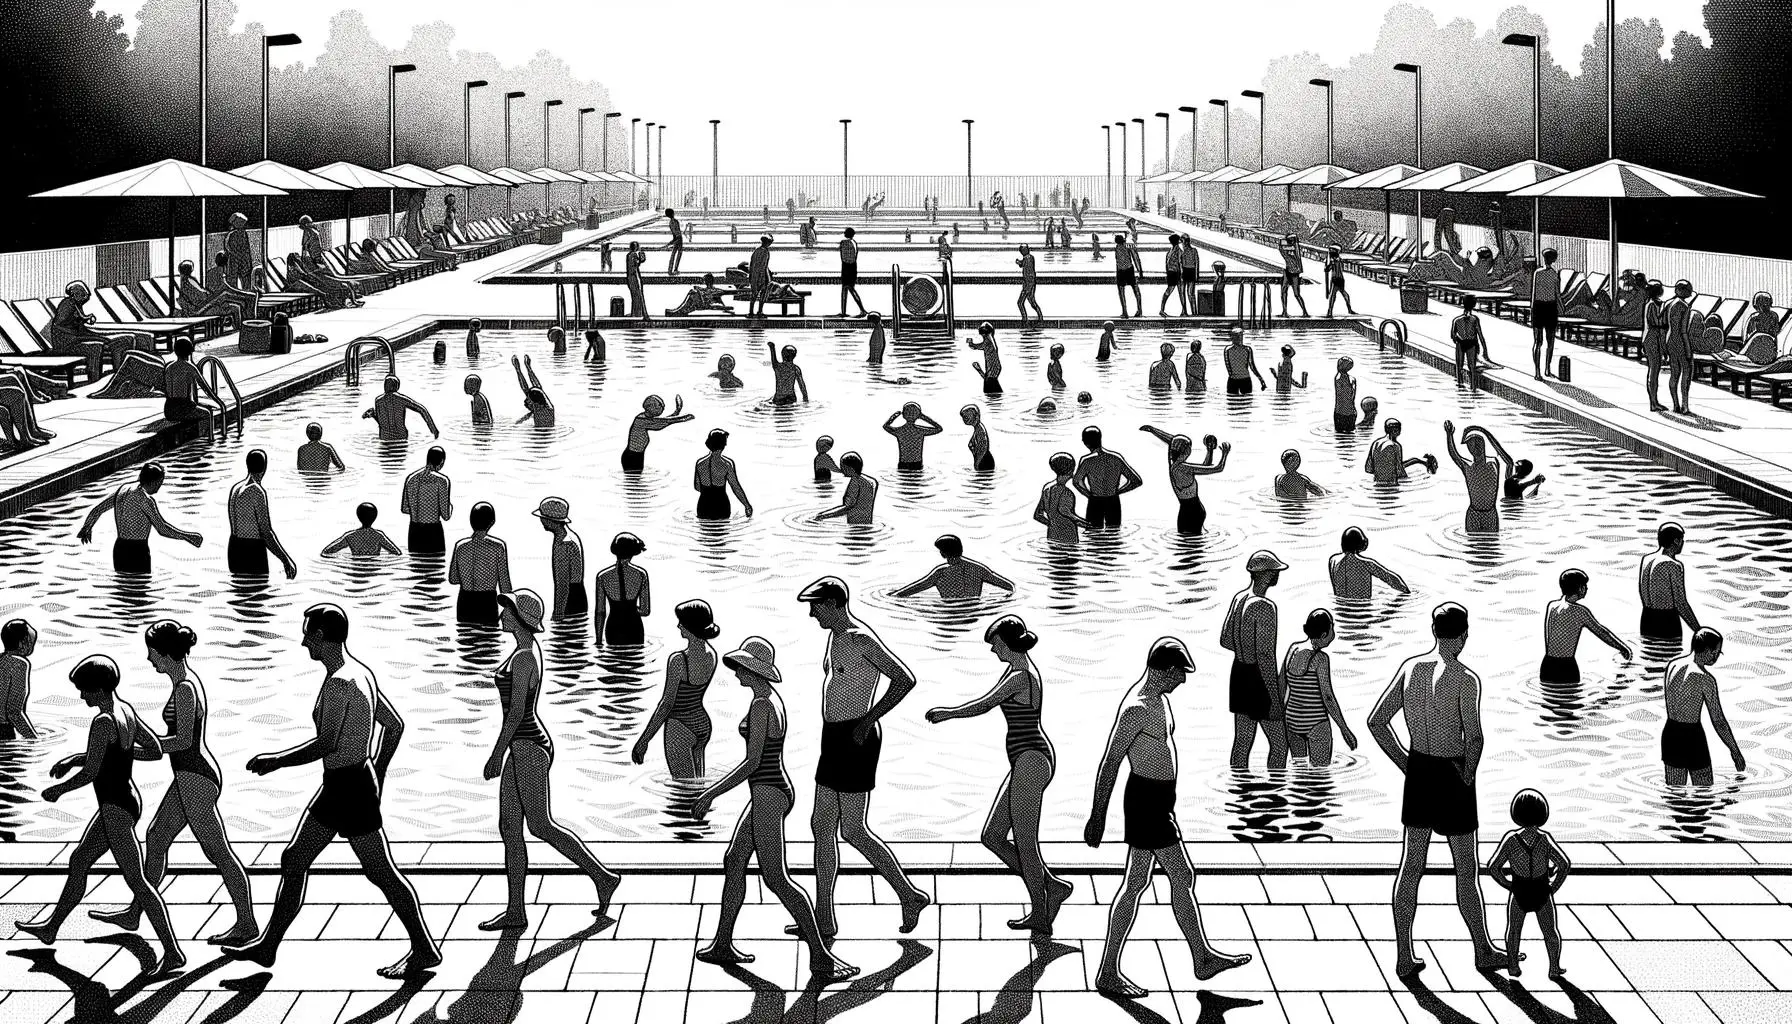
point(530, 729)
point(1305, 710)
point(1024, 731)
point(688, 709)
point(770, 769)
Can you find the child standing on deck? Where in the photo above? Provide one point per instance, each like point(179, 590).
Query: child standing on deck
point(1531, 866)
point(1465, 331)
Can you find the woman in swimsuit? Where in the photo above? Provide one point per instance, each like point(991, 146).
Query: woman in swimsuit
point(680, 710)
point(521, 761)
point(1309, 705)
point(191, 800)
point(115, 739)
point(1531, 866)
point(760, 831)
point(624, 597)
point(1012, 831)
point(981, 460)
point(1191, 515)
point(714, 477)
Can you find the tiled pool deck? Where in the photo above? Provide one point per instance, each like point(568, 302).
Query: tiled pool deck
point(1656, 933)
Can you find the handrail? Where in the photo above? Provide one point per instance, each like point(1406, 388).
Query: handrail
point(213, 367)
point(351, 361)
point(896, 299)
point(1381, 335)
point(951, 307)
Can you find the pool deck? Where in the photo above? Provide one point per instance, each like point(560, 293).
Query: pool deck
point(1654, 934)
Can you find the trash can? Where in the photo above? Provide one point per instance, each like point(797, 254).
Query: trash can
point(1414, 299)
point(616, 306)
point(1210, 303)
point(1562, 369)
point(592, 220)
point(254, 337)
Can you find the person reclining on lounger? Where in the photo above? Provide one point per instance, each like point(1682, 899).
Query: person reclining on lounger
point(302, 275)
point(1597, 307)
point(1447, 266)
point(192, 300)
point(177, 382)
point(777, 291)
point(71, 333)
point(1764, 319)
point(1760, 354)
point(18, 420)
point(1519, 281)
point(705, 297)
point(435, 247)
point(1338, 232)
point(217, 282)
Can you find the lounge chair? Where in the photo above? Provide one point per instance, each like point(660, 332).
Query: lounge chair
point(112, 304)
point(22, 347)
point(38, 313)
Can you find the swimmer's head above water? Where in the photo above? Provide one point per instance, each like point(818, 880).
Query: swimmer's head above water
point(1290, 460)
point(1057, 351)
point(483, 517)
point(367, 512)
point(911, 411)
point(1392, 426)
point(971, 415)
point(725, 364)
point(437, 457)
point(1345, 364)
point(18, 637)
point(314, 431)
point(1354, 541)
point(1062, 464)
point(824, 443)
point(717, 440)
point(1046, 406)
point(392, 384)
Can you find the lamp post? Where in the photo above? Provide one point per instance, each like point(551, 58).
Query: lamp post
point(205, 89)
point(659, 176)
point(1226, 147)
point(1107, 132)
point(582, 112)
point(267, 43)
point(606, 153)
point(547, 151)
point(715, 161)
point(845, 189)
point(650, 162)
point(1611, 135)
point(392, 73)
point(967, 160)
point(1194, 132)
point(508, 97)
point(1125, 187)
point(1536, 45)
point(1141, 123)
point(632, 122)
point(1166, 118)
point(1417, 71)
point(1326, 84)
point(1262, 189)
point(466, 136)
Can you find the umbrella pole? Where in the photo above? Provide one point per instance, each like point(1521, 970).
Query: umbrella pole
point(173, 296)
point(1611, 233)
point(264, 238)
point(348, 216)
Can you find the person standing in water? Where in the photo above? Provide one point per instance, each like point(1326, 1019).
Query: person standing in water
point(634, 263)
point(358, 731)
point(981, 459)
point(1563, 621)
point(535, 399)
point(680, 710)
point(1440, 700)
point(916, 428)
point(624, 596)
point(480, 567)
point(135, 513)
point(1293, 485)
point(875, 352)
point(191, 800)
point(521, 761)
point(1163, 375)
point(1143, 737)
point(1689, 689)
point(787, 377)
point(251, 526)
point(481, 406)
point(1354, 573)
point(1661, 583)
point(1054, 368)
point(1255, 690)
point(1056, 510)
point(314, 455)
point(957, 577)
point(1102, 477)
point(427, 501)
point(851, 743)
point(567, 559)
point(1482, 475)
point(760, 831)
point(634, 453)
point(1283, 372)
point(1191, 515)
point(724, 375)
point(1344, 396)
point(389, 411)
point(990, 368)
point(1029, 283)
point(859, 502)
point(714, 476)
point(825, 466)
point(1194, 369)
point(849, 270)
point(1104, 345)
point(1310, 705)
point(1387, 459)
point(1241, 365)
point(1011, 831)
point(115, 738)
point(18, 640)
point(365, 540)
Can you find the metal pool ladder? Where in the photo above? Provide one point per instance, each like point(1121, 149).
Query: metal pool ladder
point(1399, 335)
point(213, 370)
point(351, 357)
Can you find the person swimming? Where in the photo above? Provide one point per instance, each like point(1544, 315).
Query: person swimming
point(1163, 375)
point(535, 400)
point(1291, 483)
point(910, 437)
point(1371, 408)
point(825, 467)
point(1354, 574)
point(634, 454)
point(981, 460)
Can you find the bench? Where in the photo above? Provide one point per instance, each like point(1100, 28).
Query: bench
point(49, 365)
point(801, 300)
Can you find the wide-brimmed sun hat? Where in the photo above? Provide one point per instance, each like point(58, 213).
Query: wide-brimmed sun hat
point(554, 509)
point(756, 655)
point(526, 605)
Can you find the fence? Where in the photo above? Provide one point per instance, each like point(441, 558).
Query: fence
point(900, 191)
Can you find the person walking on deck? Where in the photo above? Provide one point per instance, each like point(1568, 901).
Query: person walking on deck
point(1655, 343)
point(1292, 267)
point(427, 500)
point(134, 514)
point(480, 567)
point(251, 524)
point(680, 712)
point(1546, 312)
point(1661, 583)
point(1689, 689)
point(1173, 278)
point(1255, 691)
point(1563, 621)
point(1029, 284)
point(1102, 477)
point(849, 271)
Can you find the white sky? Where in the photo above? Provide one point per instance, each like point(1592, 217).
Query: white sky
point(1039, 77)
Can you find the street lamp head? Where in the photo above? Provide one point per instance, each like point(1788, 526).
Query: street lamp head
point(550, 103)
point(1138, 120)
point(1189, 110)
point(1254, 94)
point(714, 121)
point(969, 121)
point(1324, 83)
point(1411, 69)
point(650, 124)
point(846, 120)
point(1220, 103)
point(519, 94)
point(1162, 115)
point(614, 113)
point(1520, 39)
point(587, 110)
point(477, 83)
point(399, 69)
point(634, 120)
point(283, 39)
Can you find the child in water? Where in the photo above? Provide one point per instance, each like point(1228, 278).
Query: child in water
point(1105, 347)
point(1291, 483)
point(19, 640)
point(724, 375)
point(473, 327)
point(1054, 370)
point(366, 540)
point(536, 403)
point(594, 346)
point(482, 409)
point(825, 466)
point(1284, 371)
point(1520, 479)
point(441, 351)
point(876, 356)
point(317, 457)
point(1531, 866)
point(1194, 369)
point(557, 338)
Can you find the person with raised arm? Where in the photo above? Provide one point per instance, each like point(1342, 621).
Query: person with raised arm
point(787, 377)
point(957, 577)
point(389, 411)
point(1354, 574)
point(135, 513)
point(990, 367)
point(1482, 474)
point(1387, 459)
point(649, 419)
point(859, 503)
point(912, 434)
point(1191, 515)
point(536, 403)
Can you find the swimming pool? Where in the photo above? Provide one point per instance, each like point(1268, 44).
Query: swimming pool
point(1593, 751)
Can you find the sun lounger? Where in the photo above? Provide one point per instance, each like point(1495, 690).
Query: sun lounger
point(20, 346)
point(115, 301)
point(38, 313)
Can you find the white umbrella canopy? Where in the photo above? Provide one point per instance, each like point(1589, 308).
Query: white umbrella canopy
point(632, 176)
point(1159, 177)
point(609, 176)
point(422, 176)
point(1438, 177)
point(1318, 174)
point(514, 176)
point(550, 174)
point(584, 175)
point(471, 177)
point(1380, 177)
point(1217, 176)
point(1259, 177)
point(354, 176)
point(279, 175)
point(1509, 178)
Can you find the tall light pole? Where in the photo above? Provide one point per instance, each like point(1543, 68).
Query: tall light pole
point(1262, 189)
point(582, 112)
point(845, 189)
point(392, 73)
point(466, 136)
point(659, 176)
point(508, 97)
point(1107, 132)
point(649, 162)
point(267, 43)
point(632, 144)
point(1141, 123)
point(1326, 84)
point(967, 160)
point(1194, 138)
point(606, 153)
point(715, 162)
point(205, 89)
point(1417, 71)
point(1125, 188)
point(1611, 134)
point(1226, 147)
point(1166, 118)
point(547, 151)
point(1536, 45)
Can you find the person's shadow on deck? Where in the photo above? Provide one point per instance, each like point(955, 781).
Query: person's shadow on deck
point(1213, 1008)
point(1586, 1010)
point(1014, 1003)
point(94, 1003)
point(811, 1008)
point(494, 993)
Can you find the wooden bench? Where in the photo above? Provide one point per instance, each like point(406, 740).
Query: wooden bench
point(801, 300)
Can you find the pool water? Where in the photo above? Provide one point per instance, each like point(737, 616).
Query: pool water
point(1593, 751)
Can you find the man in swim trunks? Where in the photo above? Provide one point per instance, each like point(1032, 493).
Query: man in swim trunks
point(1387, 458)
point(1191, 273)
point(676, 244)
point(1126, 275)
point(1029, 284)
point(1144, 737)
point(957, 576)
point(1661, 583)
point(251, 526)
point(18, 640)
point(1241, 365)
point(851, 742)
point(1440, 699)
point(1292, 266)
point(912, 434)
point(427, 500)
point(1173, 278)
point(1255, 690)
point(316, 456)
point(787, 377)
point(1546, 311)
point(1483, 476)
point(849, 268)
point(1689, 688)
point(349, 708)
point(135, 513)
point(389, 412)
point(859, 503)
point(1102, 477)
point(1563, 621)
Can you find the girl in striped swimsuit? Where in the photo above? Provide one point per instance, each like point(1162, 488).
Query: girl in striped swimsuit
point(1310, 705)
point(1012, 831)
point(681, 710)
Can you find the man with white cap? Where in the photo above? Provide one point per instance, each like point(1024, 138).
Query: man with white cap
point(1144, 737)
point(567, 559)
point(851, 741)
point(1255, 693)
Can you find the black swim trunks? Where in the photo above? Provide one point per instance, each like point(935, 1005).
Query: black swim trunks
point(247, 556)
point(846, 766)
point(633, 461)
point(1660, 624)
point(849, 275)
point(578, 602)
point(1530, 894)
point(1246, 695)
point(427, 539)
point(1436, 798)
point(348, 803)
point(1125, 276)
point(1149, 806)
point(1683, 745)
point(1564, 671)
point(477, 607)
point(1343, 421)
point(130, 557)
point(1103, 511)
point(1238, 385)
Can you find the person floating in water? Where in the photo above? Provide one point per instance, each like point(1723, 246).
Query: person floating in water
point(1689, 689)
point(389, 411)
point(957, 577)
point(482, 407)
point(851, 744)
point(1255, 691)
point(1143, 737)
point(1344, 396)
point(1194, 369)
point(18, 640)
point(990, 367)
point(624, 596)
point(825, 466)
point(427, 500)
point(860, 500)
point(315, 456)
point(115, 739)
point(1104, 346)
point(1241, 365)
point(680, 711)
point(981, 458)
point(1354, 573)
point(1056, 510)
point(1563, 621)
point(135, 513)
point(365, 541)
point(1310, 706)
point(1012, 829)
point(1387, 460)
point(1482, 475)
point(724, 375)
point(1054, 369)
point(566, 559)
point(1284, 372)
point(787, 377)
point(1520, 481)
point(1291, 483)
point(594, 346)
point(1163, 376)
point(634, 454)
point(358, 734)
point(251, 524)
point(715, 475)
point(1191, 515)
point(538, 406)
point(875, 354)
point(910, 437)
point(480, 567)
point(1661, 583)
point(1102, 477)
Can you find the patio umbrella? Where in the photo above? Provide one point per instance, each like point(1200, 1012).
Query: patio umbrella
point(632, 176)
point(584, 175)
point(422, 176)
point(1218, 176)
point(1257, 178)
point(514, 176)
point(1511, 178)
point(1379, 179)
point(282, 176)
point(1436, 178)
point(167, 179)
point(1159, 178)
point(1621, 179)
point(1318, 174)
point(352, 177)
point(548, 176)
point(471, 177)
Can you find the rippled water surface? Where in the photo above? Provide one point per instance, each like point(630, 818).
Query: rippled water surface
point(1592, 750)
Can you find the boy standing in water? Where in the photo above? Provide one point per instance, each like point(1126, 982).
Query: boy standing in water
point(17, 642)
point(1194, 369)
point(1056, 510)
point(825, 466)
point(1563, 621)
point(482, 409)
point(314, 455)
point(860, 500)
point(1689, 689)
point(474, 324)
point(1661, 583)
point(1344, 395)
point(366, 540)
point(1531, 866)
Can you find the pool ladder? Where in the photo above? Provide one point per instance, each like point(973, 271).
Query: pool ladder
point(945, 323)
point(351, 357)
point(214, 370)
point(1399, 335)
